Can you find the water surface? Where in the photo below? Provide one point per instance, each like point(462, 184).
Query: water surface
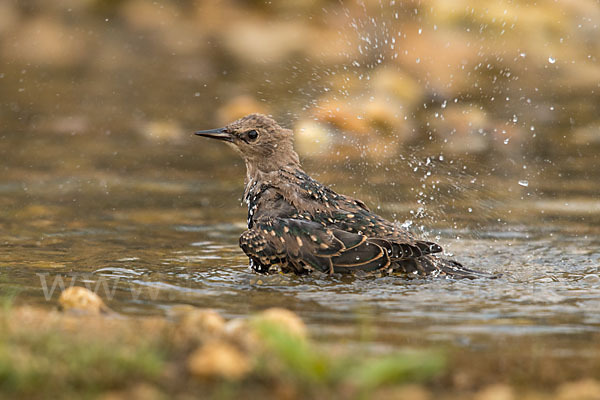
point(149, 228)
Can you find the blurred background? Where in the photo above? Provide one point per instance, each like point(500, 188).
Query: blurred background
point(474, 123)
point(354, 78)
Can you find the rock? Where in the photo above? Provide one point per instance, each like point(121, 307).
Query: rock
point(284, 319)
point(80, 299)
point(587, 389)
point(244, 331)
point(240, 331)
point(218, 360)
point(200, 324)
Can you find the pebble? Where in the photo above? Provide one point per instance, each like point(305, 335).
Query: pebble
point(200, 323)
point(218, 360)
point(80, 299)
point(285, 319)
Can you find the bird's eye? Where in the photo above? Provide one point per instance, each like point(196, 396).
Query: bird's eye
point(252, 134)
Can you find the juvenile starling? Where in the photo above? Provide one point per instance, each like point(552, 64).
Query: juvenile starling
point(302, 226)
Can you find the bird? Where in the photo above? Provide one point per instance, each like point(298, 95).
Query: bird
point(296, 224)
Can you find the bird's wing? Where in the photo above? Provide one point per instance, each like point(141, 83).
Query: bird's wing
point(308, 245)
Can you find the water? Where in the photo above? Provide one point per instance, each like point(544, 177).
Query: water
point(156, 227)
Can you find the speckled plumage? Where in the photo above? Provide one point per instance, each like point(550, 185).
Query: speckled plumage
point(300, 225)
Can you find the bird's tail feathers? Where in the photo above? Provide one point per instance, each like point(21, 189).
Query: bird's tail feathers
point(435, 266)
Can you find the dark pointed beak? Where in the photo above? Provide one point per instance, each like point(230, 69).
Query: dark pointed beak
point(220, 134)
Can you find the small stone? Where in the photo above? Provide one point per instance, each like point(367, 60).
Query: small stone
point(285, 319)
point(200, 323)
point(239, 331)
point(80, 299)
point(218, 360)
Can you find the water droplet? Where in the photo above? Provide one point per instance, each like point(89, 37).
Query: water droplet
point(506, 140)
point(551, 60)
point(524, 183)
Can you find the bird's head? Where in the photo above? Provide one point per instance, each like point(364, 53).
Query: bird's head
point(264, 145)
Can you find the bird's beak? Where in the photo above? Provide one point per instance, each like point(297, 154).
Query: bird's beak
point(220, 134)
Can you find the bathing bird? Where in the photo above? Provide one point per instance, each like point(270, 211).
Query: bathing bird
point(296, 224)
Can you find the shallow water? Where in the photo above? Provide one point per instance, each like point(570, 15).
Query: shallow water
point(153, 227)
